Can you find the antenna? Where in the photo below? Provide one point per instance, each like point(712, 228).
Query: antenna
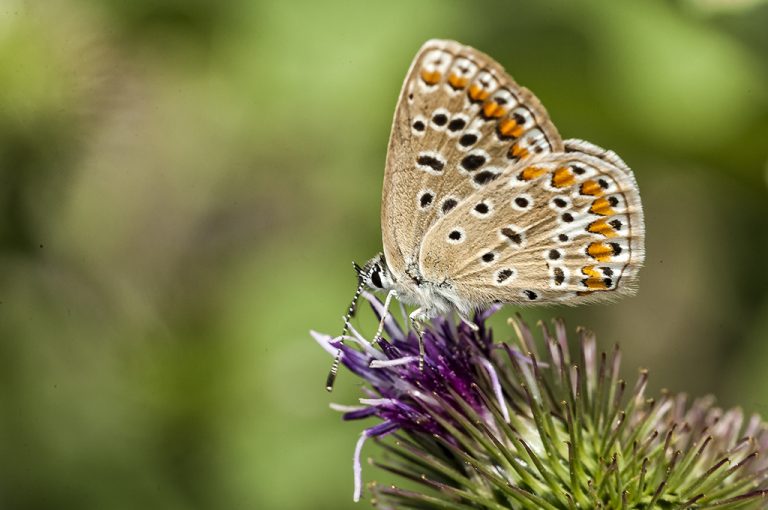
point(351, 312)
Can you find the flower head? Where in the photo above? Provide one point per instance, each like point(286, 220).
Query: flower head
point(535, 424)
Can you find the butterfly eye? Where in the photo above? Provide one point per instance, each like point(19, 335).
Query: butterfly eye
point(376, 278)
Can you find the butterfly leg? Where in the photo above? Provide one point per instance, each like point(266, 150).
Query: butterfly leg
point(474, 327)
point(384, 314)
point(417, 317)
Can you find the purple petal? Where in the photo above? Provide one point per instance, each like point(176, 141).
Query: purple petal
point(496, 388)
point(357, 469)
point(359, 414)
point(382, 429)
point(325, 341)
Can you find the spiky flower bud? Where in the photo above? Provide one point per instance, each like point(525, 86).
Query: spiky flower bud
point(535, 424)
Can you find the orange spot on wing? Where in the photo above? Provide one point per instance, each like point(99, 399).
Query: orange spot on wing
point(602, 207)
point(430, 78)
point(518, 152)
point(594, 280)
point(508, 127)
point(477, 93)
point(563, 177)
point(531, 173)
point(601, 227)
point(591, 187)
point(600, 251)
point(590, 271)
point(595, 283)
point(456, 81)
point(492, 109)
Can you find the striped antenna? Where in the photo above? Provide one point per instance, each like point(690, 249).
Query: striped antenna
point(331, 379)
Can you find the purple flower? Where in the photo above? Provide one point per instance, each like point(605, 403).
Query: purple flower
point(497, 425)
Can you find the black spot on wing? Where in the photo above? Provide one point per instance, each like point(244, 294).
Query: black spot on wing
point(467, 139)
point(513, 236)
point(530, 294)
point(503, 275)
point(485, 177)
point(448, 204)
point(472, 162)
point(456, 125)
point(430, 161)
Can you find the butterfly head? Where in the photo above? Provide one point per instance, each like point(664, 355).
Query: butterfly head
point(375, 274)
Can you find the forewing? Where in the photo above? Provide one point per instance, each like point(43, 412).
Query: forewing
point(459, 123)
point(567, 228)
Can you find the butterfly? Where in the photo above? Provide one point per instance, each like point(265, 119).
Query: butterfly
point(483, 202)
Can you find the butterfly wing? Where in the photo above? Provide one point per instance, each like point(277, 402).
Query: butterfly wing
point(460, 121)
point(567, 227)
point(576, 145)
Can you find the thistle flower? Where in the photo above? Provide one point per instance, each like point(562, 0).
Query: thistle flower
point(535, 424)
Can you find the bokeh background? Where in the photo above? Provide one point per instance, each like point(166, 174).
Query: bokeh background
point(184, 183)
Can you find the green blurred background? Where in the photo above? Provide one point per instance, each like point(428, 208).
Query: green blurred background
point(184, 183)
